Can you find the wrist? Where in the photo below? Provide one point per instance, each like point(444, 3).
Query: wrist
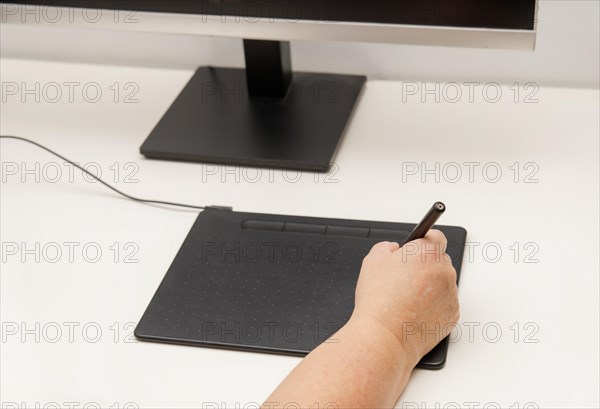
point(374, 332)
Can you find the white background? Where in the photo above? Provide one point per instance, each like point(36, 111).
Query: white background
point(558, 213)
point(567, 51)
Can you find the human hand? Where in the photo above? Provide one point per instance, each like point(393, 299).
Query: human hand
point(410, 292)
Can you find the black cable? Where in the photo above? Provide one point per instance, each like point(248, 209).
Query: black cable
point(136, 199)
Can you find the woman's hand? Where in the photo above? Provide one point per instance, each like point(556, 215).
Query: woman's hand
point(410, 291)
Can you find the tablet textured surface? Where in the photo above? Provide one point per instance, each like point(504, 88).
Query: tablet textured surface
point(271, 283)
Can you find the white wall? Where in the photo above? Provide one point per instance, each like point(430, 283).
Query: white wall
point(567, 51)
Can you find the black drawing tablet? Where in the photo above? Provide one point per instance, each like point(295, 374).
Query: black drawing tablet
point(270, 283)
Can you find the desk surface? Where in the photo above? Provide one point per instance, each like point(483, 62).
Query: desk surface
point(80, 263)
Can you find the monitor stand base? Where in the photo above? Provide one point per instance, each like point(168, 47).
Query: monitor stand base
point(214, 120)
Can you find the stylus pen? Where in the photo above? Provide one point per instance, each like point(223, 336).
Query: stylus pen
point(427, 223)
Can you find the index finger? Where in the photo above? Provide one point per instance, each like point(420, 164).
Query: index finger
point(433, 239)
point(436, 236)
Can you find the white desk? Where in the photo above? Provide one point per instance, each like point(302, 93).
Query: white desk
point(558, 214)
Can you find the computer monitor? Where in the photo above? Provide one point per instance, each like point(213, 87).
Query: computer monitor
point(267, 114)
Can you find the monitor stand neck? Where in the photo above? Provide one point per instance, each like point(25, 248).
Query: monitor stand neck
point(268, 68)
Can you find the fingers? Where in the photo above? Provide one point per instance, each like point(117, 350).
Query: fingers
point(440, 240)
point(432, 246)
point(385, 247)
point(436, 236)
point(433, 241)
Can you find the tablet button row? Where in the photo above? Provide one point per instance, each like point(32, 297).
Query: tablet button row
point(263, 225)
point(329, 230)
point(305, 228)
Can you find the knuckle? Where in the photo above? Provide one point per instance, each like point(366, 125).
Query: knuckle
point(437, 235)
point(371, 258)
point(451, 272)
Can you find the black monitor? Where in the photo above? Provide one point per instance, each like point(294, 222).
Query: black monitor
point(267, 114)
